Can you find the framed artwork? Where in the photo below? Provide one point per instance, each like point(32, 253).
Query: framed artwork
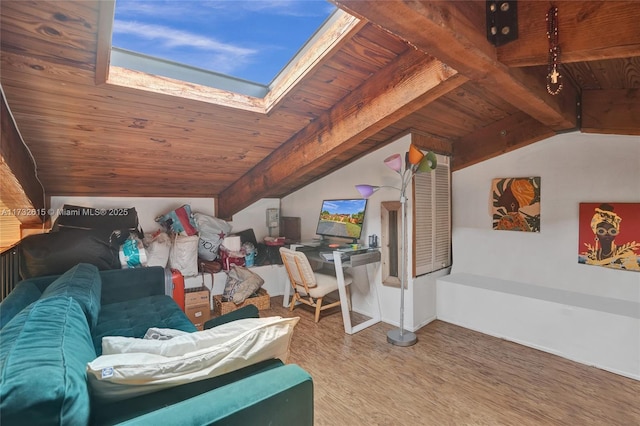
point(516, 204)
point(609, 235)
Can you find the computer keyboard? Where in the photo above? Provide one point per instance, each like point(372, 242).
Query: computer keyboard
point(328, 255)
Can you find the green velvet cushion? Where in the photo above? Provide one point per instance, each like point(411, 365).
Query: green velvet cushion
point(24, 294)
point(133, 318)
point(43, 358)
point(83, 283)
point(120, 285)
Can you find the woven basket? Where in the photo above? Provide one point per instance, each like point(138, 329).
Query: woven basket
point(261, 301)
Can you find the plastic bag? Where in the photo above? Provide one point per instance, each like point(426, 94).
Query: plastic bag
point(229, 258)
point(158, 249)
point(184, 254)
point(241, 283)
point(180, 221)
point(249, 254)
point(54, 253)
point(212, 232)
point(132, 253)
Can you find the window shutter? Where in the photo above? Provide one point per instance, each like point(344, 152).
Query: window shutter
point(423, 223)
point(432, 219)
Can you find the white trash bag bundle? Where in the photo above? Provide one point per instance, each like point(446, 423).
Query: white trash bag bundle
point(212, 232)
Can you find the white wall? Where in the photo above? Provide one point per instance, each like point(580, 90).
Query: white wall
point(529, 287)
point(149, 208)
point(573, 168)
point(255, 216)
point(594, 330)
point(306, 202)
point(370, 169)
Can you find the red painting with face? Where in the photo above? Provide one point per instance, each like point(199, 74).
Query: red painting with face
point(609, 235)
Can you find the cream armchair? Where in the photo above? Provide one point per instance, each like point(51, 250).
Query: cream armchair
point(309, 286)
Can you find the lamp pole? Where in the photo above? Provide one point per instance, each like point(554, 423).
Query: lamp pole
point(400, 337)
point(415, 162)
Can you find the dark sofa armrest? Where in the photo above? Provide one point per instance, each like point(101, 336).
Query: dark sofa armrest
point(249, 311)
point(41, 282)
point(278, 395)
point(119, 285)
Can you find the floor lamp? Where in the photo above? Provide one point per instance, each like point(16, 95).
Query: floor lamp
point(415, 162)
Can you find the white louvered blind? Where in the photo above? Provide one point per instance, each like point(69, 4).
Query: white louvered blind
point(432, 218)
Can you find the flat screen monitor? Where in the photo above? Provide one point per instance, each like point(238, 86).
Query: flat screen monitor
point(342, 218)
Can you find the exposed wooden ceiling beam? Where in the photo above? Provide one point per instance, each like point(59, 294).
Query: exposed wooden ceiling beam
point(611, 111)
point(410, 83)
point(502, 136)
point(587, 30)
point(20, 192)
point(454, 32)
point(431, 143)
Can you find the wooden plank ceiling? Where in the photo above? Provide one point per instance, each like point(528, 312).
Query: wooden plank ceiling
point(418, 66)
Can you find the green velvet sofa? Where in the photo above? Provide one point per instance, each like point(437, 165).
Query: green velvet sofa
point(51, 327)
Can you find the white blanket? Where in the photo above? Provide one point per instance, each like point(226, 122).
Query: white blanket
point(129, 367)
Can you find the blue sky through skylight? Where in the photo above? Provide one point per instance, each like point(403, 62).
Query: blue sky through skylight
point(248, 39)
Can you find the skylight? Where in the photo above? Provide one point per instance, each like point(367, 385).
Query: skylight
point(213, 42)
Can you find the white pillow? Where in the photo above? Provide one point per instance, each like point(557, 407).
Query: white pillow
point(130, 367)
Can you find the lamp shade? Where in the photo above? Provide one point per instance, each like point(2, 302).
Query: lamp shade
point(428, 163)
point(366, 190)
point(415, 155)
point(394, 162)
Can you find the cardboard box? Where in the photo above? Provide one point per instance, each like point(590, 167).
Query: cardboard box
point(196, 296)
point(198, 315)
point(197, 306)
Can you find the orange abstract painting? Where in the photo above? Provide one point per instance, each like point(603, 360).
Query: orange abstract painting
point(516, 204)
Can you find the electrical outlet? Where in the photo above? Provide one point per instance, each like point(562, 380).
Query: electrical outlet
point(273, 218)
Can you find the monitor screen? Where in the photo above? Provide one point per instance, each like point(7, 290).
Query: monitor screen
point(342, 218)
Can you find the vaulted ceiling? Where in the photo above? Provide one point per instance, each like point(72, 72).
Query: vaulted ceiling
point(402, 66)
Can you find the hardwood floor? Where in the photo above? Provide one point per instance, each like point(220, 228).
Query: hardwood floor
point(452, 376)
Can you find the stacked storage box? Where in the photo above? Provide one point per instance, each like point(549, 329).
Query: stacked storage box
point(197, 308)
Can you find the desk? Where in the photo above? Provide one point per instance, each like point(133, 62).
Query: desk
point(355, 260)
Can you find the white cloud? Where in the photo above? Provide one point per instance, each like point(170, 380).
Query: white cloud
point(199, 9)
point(206, 33)
point(172, 38)
point(162, 8)
point(222, 64)
point(284, 7)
